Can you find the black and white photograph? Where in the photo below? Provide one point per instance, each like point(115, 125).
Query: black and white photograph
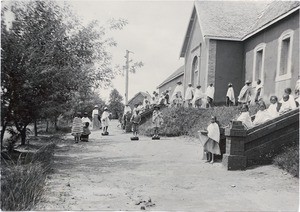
point(150, 105)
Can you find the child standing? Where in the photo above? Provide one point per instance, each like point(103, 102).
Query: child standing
point(105, 120)
point(86, 132)
point(211, 141)
point(157, 121)
point(77, 127)
point(135, 119)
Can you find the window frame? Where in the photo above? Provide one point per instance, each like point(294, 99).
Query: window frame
point(286, 34)
point(259, 47)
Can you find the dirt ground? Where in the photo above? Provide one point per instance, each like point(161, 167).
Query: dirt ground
point(112, 173)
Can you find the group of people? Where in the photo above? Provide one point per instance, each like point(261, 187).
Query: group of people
point(135, 119)
point(82, 126)
point(211, 137)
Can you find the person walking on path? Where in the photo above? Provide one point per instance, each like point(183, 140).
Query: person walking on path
point(210, 92)
point(135, 119)
point(77, 127)
point(211, 141)
point(105, 120)
point(157, 120)
point(245, 94)
point(230, 99)
point(95, 117)
point(189, 95)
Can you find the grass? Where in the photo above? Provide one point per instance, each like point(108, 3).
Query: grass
point(187, 121)
point(288, 160)
point(23, 178)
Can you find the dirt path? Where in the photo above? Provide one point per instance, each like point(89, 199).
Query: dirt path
point(114, 173)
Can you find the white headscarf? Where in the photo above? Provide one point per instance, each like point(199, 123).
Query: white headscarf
point(245, 119)
point(214, 132)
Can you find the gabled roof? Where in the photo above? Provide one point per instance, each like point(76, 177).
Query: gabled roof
point(176, 74)
point(142, 93)
point(235, 20)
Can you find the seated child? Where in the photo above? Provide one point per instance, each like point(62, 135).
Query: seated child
point(262, 115)
point(86, 132)
point(245, 117)
point(291, 100)
point(286, 104)
point(211, 141)
point(135, 119)
point(157, 120)
point(274, 107)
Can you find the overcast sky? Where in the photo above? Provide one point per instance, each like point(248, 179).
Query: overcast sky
point(155, 34)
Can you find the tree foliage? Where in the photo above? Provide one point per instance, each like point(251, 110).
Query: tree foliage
point(115, 104)
point(50, 61)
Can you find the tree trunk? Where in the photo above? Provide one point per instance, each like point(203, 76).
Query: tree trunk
point(35, 129)
point(4, 125)
point(23, 135)
point(47, 125)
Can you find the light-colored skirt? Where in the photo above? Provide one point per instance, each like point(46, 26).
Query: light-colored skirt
point(212, 146)
point(96, 122)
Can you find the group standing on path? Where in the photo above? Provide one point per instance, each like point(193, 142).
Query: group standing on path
point(82, 126)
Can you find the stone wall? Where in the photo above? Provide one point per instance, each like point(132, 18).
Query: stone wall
point(247, 147)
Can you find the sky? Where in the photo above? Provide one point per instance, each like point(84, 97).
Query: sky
point(155, 33)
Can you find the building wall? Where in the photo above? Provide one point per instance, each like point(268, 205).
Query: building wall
point(135, 100)
point(270, 37)
point(229, 67)
point(172, 84)
point(196, 47)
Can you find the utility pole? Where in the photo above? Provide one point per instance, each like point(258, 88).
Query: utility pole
point(126, 75)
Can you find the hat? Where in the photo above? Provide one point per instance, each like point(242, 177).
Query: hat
point(105, 108)
point(198, 86)
point(248, 82)
point(230, 84)
point(96, 106)
point(190, 84)
point(179, 82)
point(85, 113)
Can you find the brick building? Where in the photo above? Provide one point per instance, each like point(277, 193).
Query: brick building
point(235, 41)
point(170, 82)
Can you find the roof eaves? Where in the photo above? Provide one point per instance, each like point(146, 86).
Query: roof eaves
point(183, 47)
point(223, 38)
point(162, 84)
point(270, 23)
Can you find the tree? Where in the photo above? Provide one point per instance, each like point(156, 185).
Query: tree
point(48, 59)
point(115, 104)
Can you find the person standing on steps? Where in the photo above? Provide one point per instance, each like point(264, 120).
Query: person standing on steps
point(210, 92)
point(157, 121)
point(230, 99)
point(245, 94)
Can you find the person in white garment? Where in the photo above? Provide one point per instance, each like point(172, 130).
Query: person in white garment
point(199, 95)
point(211, 141)
point(210, 92)
point(291, 100)
point(258, 91)
point(274, 107)
point(178, 90)
point(189, 95)
point(245, 117)
point(262, 115)
point(105, 120)
point(95, 118)
point(297, 91)
point(85, 119)
point(230, 99)
point(146, 103)
point(245, 94)
point(287, 104)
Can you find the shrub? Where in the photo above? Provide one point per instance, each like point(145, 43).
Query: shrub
point(187, 121)
point(22, 182)
point(288, 160)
